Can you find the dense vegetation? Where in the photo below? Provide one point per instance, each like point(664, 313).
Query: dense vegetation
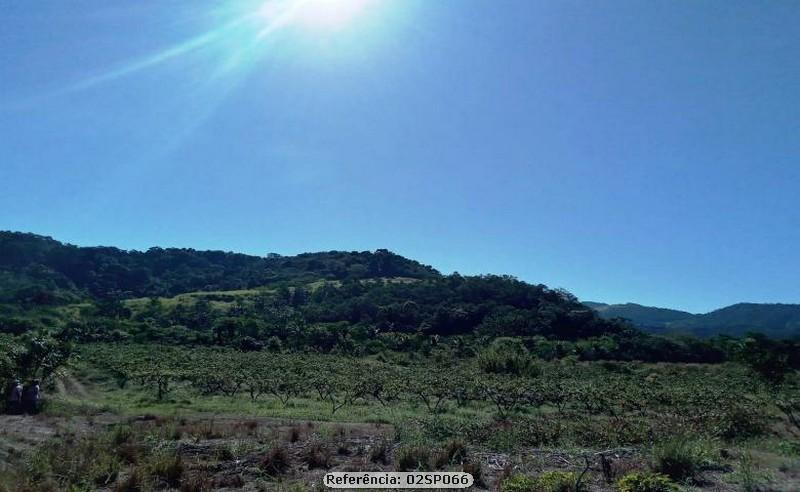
point(40, 270)
point(336, 302)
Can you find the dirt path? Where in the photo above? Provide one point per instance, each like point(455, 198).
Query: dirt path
point(77, 387)
point(67, 385)
point(61, 390)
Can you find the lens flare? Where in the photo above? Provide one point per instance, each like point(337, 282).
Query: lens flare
point(316, 15)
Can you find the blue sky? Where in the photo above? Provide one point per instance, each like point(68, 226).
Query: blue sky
point(627, 150)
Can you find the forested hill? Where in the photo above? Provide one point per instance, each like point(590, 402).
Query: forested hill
point(229, 296)
point(333, 302)
point(645, 317)
point(38, 265)
point(774, 320)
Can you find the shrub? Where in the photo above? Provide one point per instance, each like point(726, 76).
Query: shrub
point(518, 483)
point(131, 483)
point(317, 456)
point(295, 432)
point(277, 461)
point(168, 468)
point(679, 458)
point(454, 451)
point(508, 356)
point(556, 481)
point(413, 458)
point(130, 452)
point(105, 469)
point(549, 481)
point(738, 420)
point(646, 482)
point(121, 434)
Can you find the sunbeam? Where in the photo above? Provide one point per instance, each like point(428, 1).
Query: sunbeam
point(248, 29)
point(161, 57)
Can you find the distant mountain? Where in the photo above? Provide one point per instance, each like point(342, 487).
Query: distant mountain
point(652, 318)
point(774, 320)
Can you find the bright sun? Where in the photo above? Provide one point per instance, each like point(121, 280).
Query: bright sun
point(318, 15)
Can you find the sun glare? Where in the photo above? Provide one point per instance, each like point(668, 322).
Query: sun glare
point(317, 15)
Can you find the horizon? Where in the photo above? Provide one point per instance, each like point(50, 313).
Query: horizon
point(419, 260)
point(629, 152)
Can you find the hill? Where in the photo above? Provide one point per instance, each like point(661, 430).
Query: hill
point(773, 320)
point(41, 269)
point(335, 301)
point(327, 296)
point(651, 318)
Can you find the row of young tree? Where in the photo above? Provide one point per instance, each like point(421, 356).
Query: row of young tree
point(726, 401)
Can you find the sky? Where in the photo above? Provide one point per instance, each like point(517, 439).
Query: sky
point(627, 151)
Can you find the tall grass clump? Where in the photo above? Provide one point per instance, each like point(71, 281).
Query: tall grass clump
point(413, 458)
point(276, 461)
point(680, 458)
point(749, 476)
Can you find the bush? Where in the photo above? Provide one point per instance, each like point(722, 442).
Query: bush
point(453, 452)
point(508, 356)
point(413, 458)
point(679, 458)
point(556, 481)
point(277, 461)
point(105, 469)
point(132, 483)
point(295, 433)
point(317, 456)
point(549, 481)
point(167, 468)
point(121, 434)
point(738, 421)
point(518, 483)
point(646, 482)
